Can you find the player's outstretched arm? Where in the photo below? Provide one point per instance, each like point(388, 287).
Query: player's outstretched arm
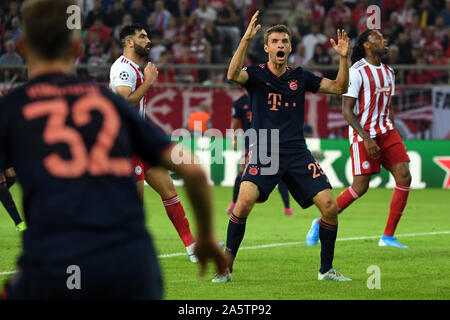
point(348, 104)
point(235, 72)
point(199, 194)
point(340, 85)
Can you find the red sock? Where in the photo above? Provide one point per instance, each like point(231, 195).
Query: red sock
point(179, 220)
point(346, 198)
point(398, 203)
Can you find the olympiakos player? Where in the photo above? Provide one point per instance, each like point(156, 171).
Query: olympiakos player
point(374, 141)
point(127, 80)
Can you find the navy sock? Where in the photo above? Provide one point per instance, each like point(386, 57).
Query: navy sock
point(284, 194)
point(235, 234)
point(8, 202)
point(327, 236)
point(237, 184)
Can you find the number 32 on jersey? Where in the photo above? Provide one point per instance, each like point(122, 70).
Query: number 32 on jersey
point(96, 162)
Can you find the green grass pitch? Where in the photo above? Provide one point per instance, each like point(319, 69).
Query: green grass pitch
point(275, 263)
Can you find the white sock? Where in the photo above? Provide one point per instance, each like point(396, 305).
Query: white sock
point(190, 248)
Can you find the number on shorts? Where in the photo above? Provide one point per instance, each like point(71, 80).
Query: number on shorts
point(317, 170)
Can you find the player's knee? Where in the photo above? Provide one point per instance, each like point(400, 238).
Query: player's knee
point(404, 178)
point(360, 188)
point(330, 209)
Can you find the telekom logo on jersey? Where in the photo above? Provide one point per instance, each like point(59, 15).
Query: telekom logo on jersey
point(275, 100)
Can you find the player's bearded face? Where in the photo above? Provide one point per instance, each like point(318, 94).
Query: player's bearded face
point(378, 43)
point(142, 51)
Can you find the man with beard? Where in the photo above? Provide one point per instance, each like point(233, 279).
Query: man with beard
point(374, 141)
point(128, 81)
point(277, 99)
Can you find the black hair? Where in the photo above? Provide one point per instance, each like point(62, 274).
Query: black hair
point(129, 30)
point(358, 51)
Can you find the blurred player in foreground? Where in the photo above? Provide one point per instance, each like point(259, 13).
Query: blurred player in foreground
point(70, 144)
point(277, 95)
point(128, 80)
point(374, 141)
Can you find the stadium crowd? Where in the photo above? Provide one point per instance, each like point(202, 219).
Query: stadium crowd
point(208, 32)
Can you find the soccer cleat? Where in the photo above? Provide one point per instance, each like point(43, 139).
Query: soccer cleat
point(21, 226)
point(230, 208)
point(390, 241)
point(193, 258)
point(288, 212)
point(222, 278)
point(333, 274)
point(312, 238)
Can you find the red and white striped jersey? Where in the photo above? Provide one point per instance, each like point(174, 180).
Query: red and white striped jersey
point(372, 86)
point(125, 72)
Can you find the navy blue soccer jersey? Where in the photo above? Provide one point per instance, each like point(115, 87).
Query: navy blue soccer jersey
point(70, 145)
point(241, 110)
point(278, 102)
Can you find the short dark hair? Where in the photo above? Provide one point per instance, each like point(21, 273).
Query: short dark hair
point(44, 26)
point(277, 28)
point(129, 30)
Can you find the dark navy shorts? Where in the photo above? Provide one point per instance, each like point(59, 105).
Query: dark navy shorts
point(128, 271)
point(299, 170)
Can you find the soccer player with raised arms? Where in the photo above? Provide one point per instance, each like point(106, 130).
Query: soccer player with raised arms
point(374, 141)
point(70, 143)
point(277, 98)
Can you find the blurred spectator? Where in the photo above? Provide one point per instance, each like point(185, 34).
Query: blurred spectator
point(395, 26)
point(139, 12)
point(420, 76)
point(227, 21)
point(303, 26)
point(440, 76)
point(440, 30)
point(98, 59)
point(13, 12)
point(104, 33)
point(415, 31)
point(393, 55)
point(11, 57)
point(127, 20)
point(15, 28)
point(338, 12)
point(186, 75)
point(429, 39)
point(178, 46)
point(311, 39)
point(298, 58)
point(92, 42)
point(156, 46)
point(115, 15)
point(405, 15)
point(427, 13)
point(404, 47)
point(182, 12)
point(349, 27)
point(201, 51)
point(159, 19)
point(205, 12)
point(96, 12)
point(359, 15)
point(445, 13)
point(171, 32)
point(115, 51)
point(321, 57)
point(166, 75)
point(213, 36)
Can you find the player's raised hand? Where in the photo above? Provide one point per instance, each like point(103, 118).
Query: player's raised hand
point(150, 73)
point(252, 28)
point(207, 248)
point(342, 47)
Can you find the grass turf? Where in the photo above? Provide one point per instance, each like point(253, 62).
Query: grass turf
point(275, 263)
